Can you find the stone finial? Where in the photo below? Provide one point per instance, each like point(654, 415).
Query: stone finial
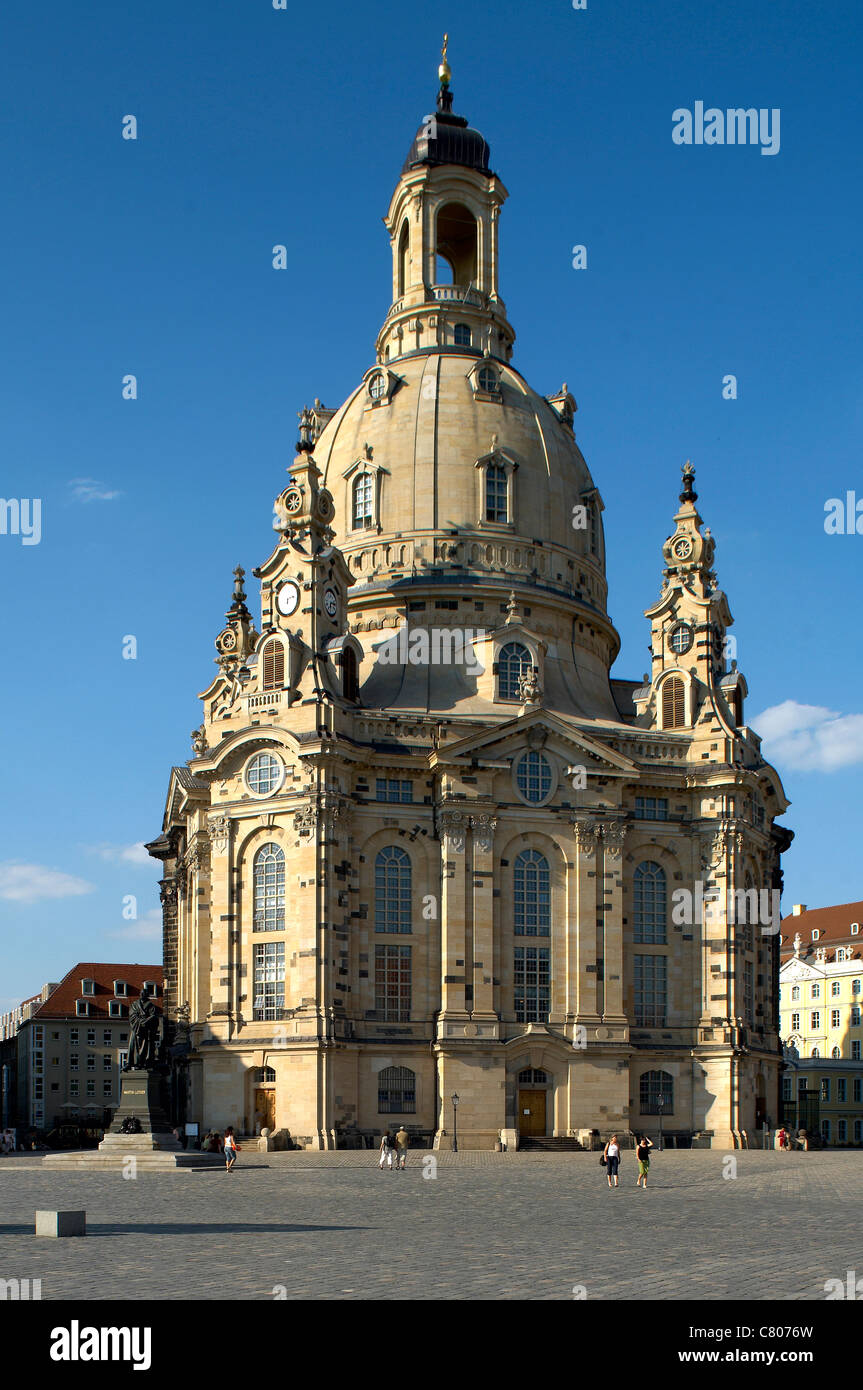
point(688, 494)
point(512, 608)
point(797, 943)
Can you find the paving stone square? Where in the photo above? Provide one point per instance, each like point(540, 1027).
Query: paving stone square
point(487, 1226)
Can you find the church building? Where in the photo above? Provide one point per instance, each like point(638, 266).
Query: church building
point(430, 864)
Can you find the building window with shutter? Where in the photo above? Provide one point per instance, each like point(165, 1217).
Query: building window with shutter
point(673, 704)
point(273, 658)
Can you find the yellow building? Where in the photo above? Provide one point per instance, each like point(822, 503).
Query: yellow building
point(427, 846)
point(821, 1011)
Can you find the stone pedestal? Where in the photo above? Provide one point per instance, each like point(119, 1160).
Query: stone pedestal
point(153, 1147)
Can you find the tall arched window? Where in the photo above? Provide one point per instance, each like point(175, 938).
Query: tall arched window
point(496, 506)
point(513, 662)
point(273, 663)
point(461, 335)
point(269, 889)
point(593, 523)
point(673, 704)
point(404, 250)
point(363, 501)
point(649, 904)
point(397, 1091)
point(531, 894)
point(350, 678)
point(656, 1085)
point(392, 890)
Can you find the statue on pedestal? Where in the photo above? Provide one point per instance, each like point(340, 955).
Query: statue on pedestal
point(145, 1026)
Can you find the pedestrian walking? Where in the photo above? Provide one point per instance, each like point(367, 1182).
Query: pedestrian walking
point(783, 1140)
point(232, 1148)
point(402, 1141)
point(611, 1154)
point(386, 1151)
point(642, 1153)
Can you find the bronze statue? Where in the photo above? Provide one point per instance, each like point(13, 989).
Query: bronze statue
point(144, 1034)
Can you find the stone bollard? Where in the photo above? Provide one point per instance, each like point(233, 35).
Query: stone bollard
point(61, 1223)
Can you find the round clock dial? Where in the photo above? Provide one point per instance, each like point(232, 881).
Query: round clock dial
point(331, 602)
point(288, 598)
point(682, 548)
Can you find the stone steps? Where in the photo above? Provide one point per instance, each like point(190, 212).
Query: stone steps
point(549, 1144)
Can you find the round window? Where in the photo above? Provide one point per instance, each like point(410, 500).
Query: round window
point(264, 774)
point(378, 387)
point(533, 776)
point(681, 638)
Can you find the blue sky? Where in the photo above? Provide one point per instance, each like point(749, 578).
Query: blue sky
point(153, 257)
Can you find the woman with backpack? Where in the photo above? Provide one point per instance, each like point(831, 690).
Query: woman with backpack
point(642, 1153)
point(611, 1154)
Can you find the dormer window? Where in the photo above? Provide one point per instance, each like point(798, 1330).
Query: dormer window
point(121, 989)
point(378, 387)
point(116, 1009)
point(151, 988)
point(487, 379)
point(815, 934)
point(855, 928)
point(496, 480)
point(273, 665)
point(513, 662)
point(82, 1008)
point(88, 986)
point(496, 494)
point(362, 501)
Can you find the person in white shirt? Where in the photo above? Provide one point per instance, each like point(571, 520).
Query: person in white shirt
point(611, 1153)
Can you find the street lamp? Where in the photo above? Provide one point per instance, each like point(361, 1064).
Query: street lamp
point(454, 1099)
point(660, 1101)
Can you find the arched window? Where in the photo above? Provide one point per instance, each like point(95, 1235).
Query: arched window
point(656, 1087)
point(837, 1052)
point(350, 678)
point(461, 335)
point(397, 1091)
point(363, 501)
point(264, 1074)
point(513, 662)
point(532, 894)
point(593, 525)
point(404, 252)
point(532, 1076)
point(673, 704)
point(496, 503)
point(815, 1052)
point(487, 379)
point(269, 889)
point(649, 894)
point(456, 243)
point(392, 890)
point(273, 662)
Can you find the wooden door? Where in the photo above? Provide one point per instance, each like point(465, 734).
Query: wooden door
point(531, 1113)
point(265, 1108)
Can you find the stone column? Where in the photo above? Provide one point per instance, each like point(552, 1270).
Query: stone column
point(483, 915)
point(613, 836)
point(453, 830)
point(581, 1001)
point(222, 920)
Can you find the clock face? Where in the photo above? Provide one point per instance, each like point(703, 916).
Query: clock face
point(293, 500)
point(331, 602)
point(682, 548)
point(288, 598)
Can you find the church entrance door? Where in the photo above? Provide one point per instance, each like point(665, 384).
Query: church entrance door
point(531, 1113)
point(265, 1108)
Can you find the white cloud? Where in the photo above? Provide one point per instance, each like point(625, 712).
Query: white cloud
point(28, 882)
point(122, 854)
point(810, 738)
point(146, 928)
point(89, 490)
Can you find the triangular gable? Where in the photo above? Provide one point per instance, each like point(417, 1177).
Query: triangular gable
point(514, 731)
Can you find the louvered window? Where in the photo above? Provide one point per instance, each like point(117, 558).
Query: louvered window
point(274, 665)
point(673, 704)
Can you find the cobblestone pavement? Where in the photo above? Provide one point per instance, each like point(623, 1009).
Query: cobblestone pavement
point(488, 1226)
